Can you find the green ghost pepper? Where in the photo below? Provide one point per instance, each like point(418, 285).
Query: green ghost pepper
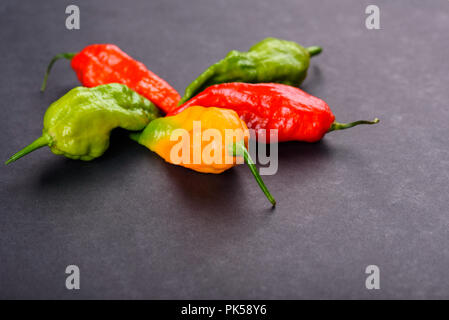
point(270, 60)
point(79, 124)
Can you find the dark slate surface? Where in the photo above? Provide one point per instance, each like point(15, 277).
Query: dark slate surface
point(140, 228)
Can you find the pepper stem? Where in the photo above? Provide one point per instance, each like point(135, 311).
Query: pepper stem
point(240, 149)
point(135, 136)
point(65, 55)
point(342, 126)
point(36, 144)
point(314, 50)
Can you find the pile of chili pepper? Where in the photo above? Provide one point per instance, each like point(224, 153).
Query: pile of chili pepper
point(256, 89)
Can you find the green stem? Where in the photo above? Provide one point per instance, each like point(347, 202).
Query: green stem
point(36, 144)
point(65, 55)
point(314, 50)
point(341, 126)
point(135, 136)
point(240, 149)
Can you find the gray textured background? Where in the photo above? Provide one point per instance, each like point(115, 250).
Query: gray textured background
point(140, 228)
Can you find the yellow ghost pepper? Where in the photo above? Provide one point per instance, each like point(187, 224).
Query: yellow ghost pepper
point(208, 140)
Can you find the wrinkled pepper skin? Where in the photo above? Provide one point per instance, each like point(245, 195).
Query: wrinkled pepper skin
point(156, 135)
point(78, 125)
point(297, 115)
point(99, 64)
point(270, 60)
